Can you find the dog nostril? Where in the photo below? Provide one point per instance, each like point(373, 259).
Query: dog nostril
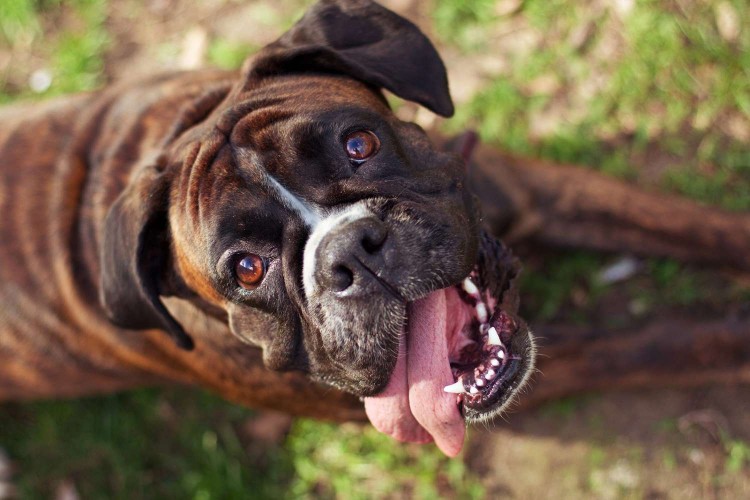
point(342, 278)
point(373, 242)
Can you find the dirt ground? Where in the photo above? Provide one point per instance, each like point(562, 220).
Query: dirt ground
point(663, 443)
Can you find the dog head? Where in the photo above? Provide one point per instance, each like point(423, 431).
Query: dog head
point(328, 232)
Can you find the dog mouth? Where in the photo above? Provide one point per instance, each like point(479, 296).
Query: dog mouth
point(463, 356)
point(483, 362)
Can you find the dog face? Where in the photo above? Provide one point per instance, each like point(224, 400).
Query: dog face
point(328, 232)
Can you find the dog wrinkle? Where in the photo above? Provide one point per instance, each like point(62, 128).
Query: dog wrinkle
point(195, 279)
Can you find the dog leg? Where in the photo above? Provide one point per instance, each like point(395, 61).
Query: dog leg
point(565, 206)
point(669, 352)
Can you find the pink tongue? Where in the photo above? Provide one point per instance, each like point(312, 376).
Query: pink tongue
point(414, 407)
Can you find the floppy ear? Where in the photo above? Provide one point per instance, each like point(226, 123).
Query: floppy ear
point(366, 41)
point(135, 254)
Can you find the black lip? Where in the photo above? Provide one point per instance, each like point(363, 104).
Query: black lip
point(498, 272)
point(501, 390)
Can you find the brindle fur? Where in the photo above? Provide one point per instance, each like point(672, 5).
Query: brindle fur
point(63, 164)
point(107, 199)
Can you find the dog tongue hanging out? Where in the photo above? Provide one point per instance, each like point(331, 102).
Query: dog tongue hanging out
point(400, 298)
point(302, 201)
point(284, 210)
point(455, 361)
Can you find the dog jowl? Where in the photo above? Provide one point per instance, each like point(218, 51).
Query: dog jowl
point(295, 207)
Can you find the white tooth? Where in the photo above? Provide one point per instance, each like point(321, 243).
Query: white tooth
point(479, 382)
point(494, 338)
point(457, 388)
point(482, 313)
point(501, 355)
point(490, 374)
point(470, 287)
point(495, 362)
point(473, 390)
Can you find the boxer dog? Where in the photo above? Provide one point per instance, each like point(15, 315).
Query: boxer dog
point(301, 246)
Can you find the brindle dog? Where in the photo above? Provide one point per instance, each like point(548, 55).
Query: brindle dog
point(287, 232)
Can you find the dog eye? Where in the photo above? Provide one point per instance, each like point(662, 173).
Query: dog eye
point(361, 145)
point(250, 270)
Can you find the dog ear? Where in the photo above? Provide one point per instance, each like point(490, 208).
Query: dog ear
point(366, 41)
point(135, 254)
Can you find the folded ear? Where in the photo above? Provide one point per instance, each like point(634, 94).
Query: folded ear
point(366, 41)
point(135, 255)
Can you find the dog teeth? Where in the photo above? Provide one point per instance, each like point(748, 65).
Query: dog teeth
point(470, 287)
point(495, 362)
point(501, 355)
point(480, 382)
point(482, 313)
point(494, 338)
point(457, 388)
point(490, 374)
point(473, 390)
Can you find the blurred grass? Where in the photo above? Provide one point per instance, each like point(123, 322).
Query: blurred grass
point(652, 92)
point(73, 56)
point(347, 461)
point(659, 88)
point(141, 444)
point(184, 443)
point(614, 90)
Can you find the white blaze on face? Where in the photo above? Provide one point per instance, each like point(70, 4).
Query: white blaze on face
point(413, 407)
point(320, 231)
point(301, 207)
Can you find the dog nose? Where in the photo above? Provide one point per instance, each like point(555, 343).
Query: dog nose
point(352, 254)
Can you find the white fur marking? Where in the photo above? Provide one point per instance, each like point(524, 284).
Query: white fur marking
point(350, 214)
point(295, 203)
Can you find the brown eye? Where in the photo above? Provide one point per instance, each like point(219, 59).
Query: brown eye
point(361, 145)
point(250, 270)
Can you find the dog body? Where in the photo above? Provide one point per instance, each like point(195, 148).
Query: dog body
point(285, 229)
point(64, 164)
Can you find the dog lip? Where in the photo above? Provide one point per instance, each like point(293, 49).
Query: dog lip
point(494, 377)
point(501, 358)
point(390, 289)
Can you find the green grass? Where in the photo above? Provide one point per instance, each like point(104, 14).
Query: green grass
point(334, 461)
point(660, 81)
point(669, 90)
point(549, 286)
point(227, 54)
point(18, 20)
point(77, 59)
point(738, 455)
point(146, 444)
point(74, 56)
point(184, 443)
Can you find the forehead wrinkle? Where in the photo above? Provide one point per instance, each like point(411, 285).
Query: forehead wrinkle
point(259, 125)
point(307, 212)
point(321, 91)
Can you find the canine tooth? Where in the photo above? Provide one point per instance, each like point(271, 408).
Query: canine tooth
point(457, 388)
point(482, 313)
point(473, 390)
point(494, 338)
point(501, 355)
point(490, 374)
point(479, 382)
point(470, 287)
point(495, 362)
